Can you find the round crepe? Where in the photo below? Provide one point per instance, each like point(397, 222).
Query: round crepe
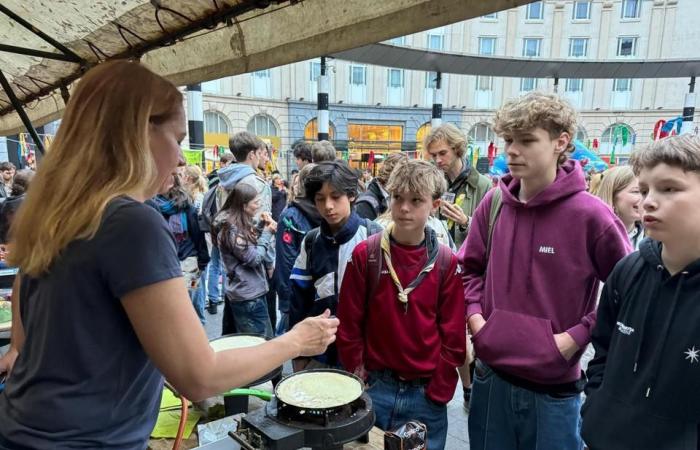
point(230, 342)
point(316, 390)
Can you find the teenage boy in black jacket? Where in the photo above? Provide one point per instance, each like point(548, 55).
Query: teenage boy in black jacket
point(644, 381)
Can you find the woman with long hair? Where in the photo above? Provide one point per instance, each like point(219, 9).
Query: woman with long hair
point(619, 188)
point(245, 250)
point(100, 313)
point(195, 184)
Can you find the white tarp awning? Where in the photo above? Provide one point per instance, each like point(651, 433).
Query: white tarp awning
point(190, 41)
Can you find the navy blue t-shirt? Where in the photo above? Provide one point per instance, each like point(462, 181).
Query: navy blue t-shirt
point(82, 379)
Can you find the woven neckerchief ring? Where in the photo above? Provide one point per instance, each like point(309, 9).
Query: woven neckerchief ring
point(430, 264)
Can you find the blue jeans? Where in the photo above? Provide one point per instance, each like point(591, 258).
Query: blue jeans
point(250, 316)
point(504, 416)
point(396, 402)
point(214, 270)
point(198, 297)
point(283, 324)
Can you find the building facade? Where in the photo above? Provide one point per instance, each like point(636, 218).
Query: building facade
point(384, 109)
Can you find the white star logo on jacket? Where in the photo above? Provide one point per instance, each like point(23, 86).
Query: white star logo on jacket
point(692, 355)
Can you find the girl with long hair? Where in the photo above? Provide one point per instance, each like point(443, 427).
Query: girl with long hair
point(195, 184)
point(619, 188)
point(245, 250)
point(100, 313)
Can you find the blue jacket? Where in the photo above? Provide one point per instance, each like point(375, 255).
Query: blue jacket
point(316, 278)
point(294, 222)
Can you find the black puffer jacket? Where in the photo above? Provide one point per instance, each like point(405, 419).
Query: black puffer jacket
point(644, 381)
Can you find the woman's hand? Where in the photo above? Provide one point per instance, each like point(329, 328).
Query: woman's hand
point(7, 362)
point(314, 334)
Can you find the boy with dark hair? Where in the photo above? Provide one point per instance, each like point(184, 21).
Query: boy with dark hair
point(644, 381)
point(538, 247)
point(302, 153)
point(318, 271)
point(401, 309)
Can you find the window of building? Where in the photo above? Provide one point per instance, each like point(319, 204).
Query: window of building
point(581, 135)
point(622, 85)
point(631, 9)
point(528, 84)
point(422, 132)
point(215, 122)
point(574, 85)
point(401, 40)
point(578, 47)
point(618, 136)
point(535, 11)
point(582, 10)
point(358, 75)
point(492, 16)
point(487, 45)
point(212, 87)
point(263, 125)
point(364, 137)
point(484, 83)
point(431, 80)
point(531, 47)
point(311, 130)
point(261, 83)
point(626, 46)
point(314, 71)
point(436, 39)
point(481, 135)
point(395, 78)
point(395, 82)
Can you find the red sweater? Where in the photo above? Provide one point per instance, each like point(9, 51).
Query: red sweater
point(425, 341)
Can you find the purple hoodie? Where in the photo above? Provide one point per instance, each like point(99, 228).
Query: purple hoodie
point(547, 259)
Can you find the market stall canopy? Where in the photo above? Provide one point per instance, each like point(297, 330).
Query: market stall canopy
point(46, 46)
point(457, 63)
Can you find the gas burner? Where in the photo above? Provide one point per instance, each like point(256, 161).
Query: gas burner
point(273, 428)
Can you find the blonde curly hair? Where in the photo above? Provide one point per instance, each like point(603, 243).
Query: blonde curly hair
point(538, 110)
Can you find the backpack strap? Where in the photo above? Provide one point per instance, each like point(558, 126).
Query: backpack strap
point(368, 197)
point(309, 240)
point(374, 265)
point(444, 259)
point(494, 211)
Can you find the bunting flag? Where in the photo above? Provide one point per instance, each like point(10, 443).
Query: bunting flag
point(370, 160)
point(23, 147)
point(613, 160)
point(492, 150)
point(475, 158)
point(471, 153)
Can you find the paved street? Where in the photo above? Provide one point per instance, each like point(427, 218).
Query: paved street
point(457, 438)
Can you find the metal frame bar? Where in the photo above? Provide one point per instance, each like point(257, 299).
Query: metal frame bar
point(62, 48)
point(38, 53)
point(22, 114)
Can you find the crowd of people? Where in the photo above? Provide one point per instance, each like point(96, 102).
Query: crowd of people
point(414, 279)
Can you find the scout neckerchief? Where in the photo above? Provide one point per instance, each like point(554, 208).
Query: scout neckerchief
point(432, 257)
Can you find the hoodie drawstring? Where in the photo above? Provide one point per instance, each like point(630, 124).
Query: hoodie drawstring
point(511, 257)
point(664, 334)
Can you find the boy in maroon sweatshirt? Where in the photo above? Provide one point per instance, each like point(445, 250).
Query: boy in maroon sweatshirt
point(531, 294)
point(402, 312)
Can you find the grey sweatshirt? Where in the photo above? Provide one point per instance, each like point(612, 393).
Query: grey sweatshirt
point(245, 267)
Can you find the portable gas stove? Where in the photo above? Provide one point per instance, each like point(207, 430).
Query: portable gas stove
point(281, 426)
